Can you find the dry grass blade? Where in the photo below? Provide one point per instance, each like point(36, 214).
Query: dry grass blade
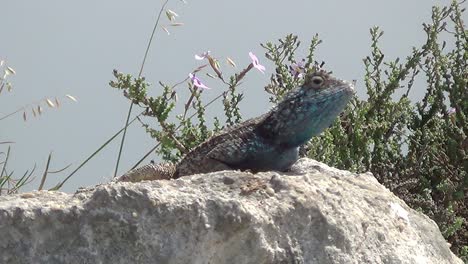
point(177, 24)
point(171, 15)
point(71, 98)
point(44, 175)
point(200, 68)
point(49, 103)
point(231, 62)
point(36, 107)
point(165, 29)
point(10, 71)
point(211, 75)
point(215, 66)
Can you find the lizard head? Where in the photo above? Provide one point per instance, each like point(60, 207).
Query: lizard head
point(307, 110)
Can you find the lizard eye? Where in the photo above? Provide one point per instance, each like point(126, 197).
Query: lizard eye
point(316, 81)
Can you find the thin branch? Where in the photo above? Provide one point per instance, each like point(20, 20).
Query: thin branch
point(139, 75)
point(190, 117)
point(58, 186)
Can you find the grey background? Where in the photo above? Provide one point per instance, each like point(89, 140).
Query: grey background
point(71, 47)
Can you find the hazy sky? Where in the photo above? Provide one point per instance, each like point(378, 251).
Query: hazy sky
point(71, 47)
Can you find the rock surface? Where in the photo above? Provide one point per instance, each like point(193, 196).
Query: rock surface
point(315, 214)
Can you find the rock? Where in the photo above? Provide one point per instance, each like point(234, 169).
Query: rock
point(314, 214)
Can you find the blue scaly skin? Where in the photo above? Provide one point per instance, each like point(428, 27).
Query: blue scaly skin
point(268, 142)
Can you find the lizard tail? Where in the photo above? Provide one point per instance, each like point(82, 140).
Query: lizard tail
point(150, 172)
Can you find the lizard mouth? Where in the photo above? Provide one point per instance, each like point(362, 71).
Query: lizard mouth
point(352, 85)
point(346, 87)
point(349, 86)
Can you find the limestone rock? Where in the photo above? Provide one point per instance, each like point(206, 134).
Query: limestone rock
point(314, 214)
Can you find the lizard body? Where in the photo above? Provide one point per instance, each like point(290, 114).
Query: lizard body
point(267, 142)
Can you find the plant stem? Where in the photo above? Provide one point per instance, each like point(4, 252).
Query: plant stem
point(139, 75)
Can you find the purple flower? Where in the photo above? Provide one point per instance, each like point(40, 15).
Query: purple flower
point(297, 69)
point(197, 82)
point(450, 113)
point(203, 56)
point(256, 63)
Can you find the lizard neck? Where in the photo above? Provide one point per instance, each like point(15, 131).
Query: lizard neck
point(304, 113)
